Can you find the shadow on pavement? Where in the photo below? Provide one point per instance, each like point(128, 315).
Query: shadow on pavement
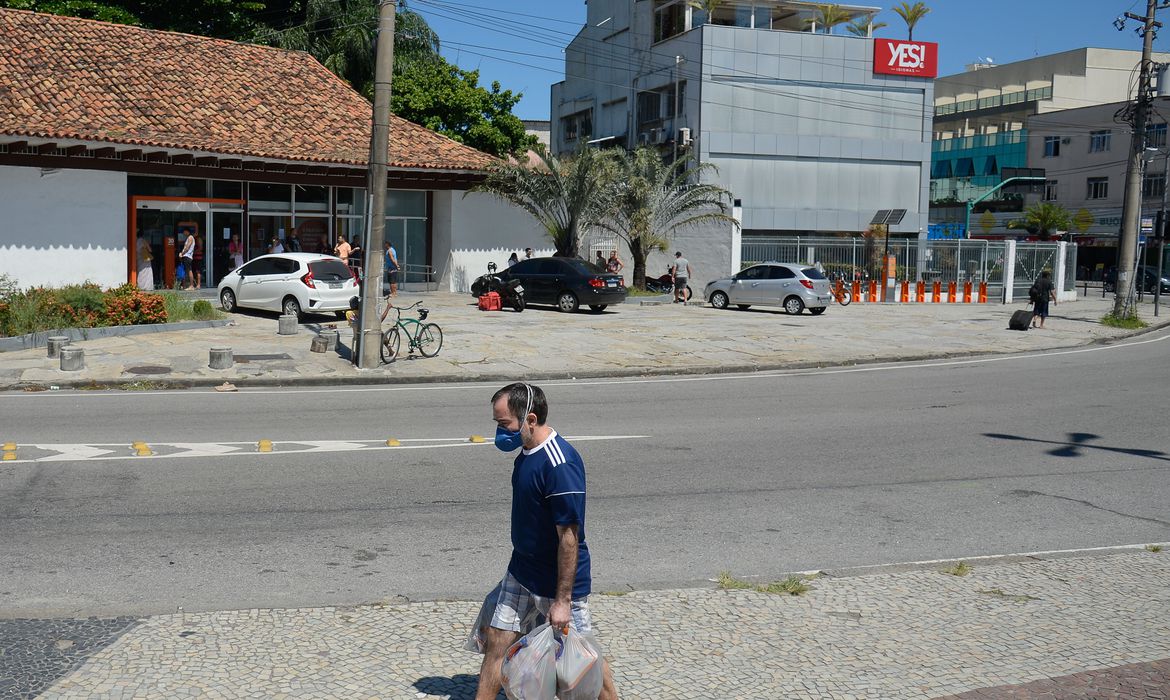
point(458, 687)
point(1077, 442)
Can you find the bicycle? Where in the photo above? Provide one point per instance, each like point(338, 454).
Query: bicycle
point(426, 337)
point(841, 291)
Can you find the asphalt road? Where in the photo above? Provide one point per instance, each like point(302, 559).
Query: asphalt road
point(758, 475)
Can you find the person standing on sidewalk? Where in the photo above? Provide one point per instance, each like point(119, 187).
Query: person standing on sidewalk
point(549, 573)
point(1041, 292)
point(680, 272)
point(390, 265)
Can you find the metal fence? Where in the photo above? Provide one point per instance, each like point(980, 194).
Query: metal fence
point(959, 261)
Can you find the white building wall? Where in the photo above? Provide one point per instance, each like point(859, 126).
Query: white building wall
point(62, 226)
point(478, 229)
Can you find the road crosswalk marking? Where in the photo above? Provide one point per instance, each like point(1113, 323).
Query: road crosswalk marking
point(94, 452)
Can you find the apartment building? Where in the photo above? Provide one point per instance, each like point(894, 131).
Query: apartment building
point(813, 132)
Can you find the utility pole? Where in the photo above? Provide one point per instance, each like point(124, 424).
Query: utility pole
point(1160, 229)
point(1123, 304)
point(674, 122)
point(369, 349)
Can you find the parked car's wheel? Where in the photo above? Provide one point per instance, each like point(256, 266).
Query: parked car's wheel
point(567, 302)
point(743, 307)
point(817, 310)
point(227, 300)
point(793, 306)
point(719, 300)
point(598, 308)
point(291, 307)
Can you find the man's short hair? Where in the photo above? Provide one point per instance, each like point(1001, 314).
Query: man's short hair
point(677, 254)
point(517, 394)
point(1046, 274)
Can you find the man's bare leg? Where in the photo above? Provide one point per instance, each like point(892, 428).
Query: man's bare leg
point(608, 689)
point(491, 681)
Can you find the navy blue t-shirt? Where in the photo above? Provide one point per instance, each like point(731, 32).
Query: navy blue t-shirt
point(548, 489)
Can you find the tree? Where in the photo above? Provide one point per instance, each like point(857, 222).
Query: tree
point(224, 19)
point(567, 196)
point(863, 27)
point(911, 15)
point(828, 16)
point(1044, 218)
point(87, 9)
point(707, 7)
point(987, 222)
point(653, 199)
point(450, 101)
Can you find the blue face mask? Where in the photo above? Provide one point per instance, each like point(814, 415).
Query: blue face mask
point(506, 440)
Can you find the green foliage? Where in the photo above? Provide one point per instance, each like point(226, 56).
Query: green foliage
point(1047, 218)
point(862, 27)
point(987, 222)
point(87, 9)
point(828, 16)
point(202, 310)
point(77, 306)
point(225, 19)
point(911, 15)
point(792, 585)
point(960, 569)
point(1154, 548)
point(450, 101)
point(1129, 322)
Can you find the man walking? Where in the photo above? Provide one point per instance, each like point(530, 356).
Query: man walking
point(1041, 292)
point(549, 574)
point(680, 272)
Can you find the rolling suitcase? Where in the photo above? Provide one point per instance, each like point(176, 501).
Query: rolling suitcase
point(1020, 320)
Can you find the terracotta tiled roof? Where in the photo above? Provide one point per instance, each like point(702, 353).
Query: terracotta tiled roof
point(68, 78)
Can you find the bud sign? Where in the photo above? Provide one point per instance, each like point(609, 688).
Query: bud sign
point(917, 59)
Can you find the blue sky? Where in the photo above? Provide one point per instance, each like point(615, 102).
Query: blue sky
point(519, 42)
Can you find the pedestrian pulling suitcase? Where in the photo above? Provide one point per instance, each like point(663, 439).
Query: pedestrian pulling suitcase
point(1020, 320)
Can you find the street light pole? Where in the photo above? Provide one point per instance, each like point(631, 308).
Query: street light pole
point(368, 352)
point(1159, 235)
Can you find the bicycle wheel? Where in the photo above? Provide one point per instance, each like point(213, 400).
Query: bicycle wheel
point(391, 339)
point(430, 340)
point(845, 298)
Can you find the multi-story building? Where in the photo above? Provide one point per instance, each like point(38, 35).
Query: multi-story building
point(981, 116)
point(1085, 155)
point(808, 131)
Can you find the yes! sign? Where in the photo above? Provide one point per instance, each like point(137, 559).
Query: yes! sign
point(918, 59)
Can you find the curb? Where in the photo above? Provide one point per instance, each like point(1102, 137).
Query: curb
point(40, 338)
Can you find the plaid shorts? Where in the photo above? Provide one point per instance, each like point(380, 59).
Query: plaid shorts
point(512, 607)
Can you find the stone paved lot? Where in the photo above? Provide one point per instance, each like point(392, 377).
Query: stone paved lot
point(34, 653)
point(909, 634)
point(1151, 680)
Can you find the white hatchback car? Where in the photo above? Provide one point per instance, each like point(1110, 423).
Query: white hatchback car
point(291, 283)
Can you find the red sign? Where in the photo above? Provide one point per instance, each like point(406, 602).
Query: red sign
point(918, 59)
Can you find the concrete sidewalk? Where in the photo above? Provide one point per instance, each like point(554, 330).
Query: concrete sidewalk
point(1038, 626)
point(626, 340)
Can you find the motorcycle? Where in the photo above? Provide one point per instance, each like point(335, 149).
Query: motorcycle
point(664, 284)
point(511, 291)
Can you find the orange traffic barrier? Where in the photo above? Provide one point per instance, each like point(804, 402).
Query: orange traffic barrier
point(856, 294)
point(967, 292)
point(952, 292)
point(982, 292)
point(905, 291)
point(873, 291)
point(936, 293)
point(920, 291)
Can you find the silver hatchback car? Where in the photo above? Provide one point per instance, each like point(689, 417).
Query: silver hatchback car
point(794, 287)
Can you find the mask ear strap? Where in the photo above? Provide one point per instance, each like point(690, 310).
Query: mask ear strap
point(528, 408)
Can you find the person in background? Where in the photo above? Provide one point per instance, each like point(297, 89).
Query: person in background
point(513, 260)
point(614, 264)
point(528, 252)
point(236, 251)
point(599, 262)
point(390, 266)
point(342, 249)
point(275, 246)
point(1042, 291)
point(294, 243)
point(186, 260)
point(197, 258)
point(145, 264)
point(680, 272)
point(355, 251)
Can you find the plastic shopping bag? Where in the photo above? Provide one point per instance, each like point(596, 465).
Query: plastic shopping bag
point(579, 666)
point(530, 666)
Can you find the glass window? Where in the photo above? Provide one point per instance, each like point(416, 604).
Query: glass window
point(351, 201)
point(311, 198)
point(548, 267)
point(812, 273)
point(312, 232)
point(1050, 190)
point(682, 98)
point(263, 196)
point(525, 267)
point(763, 17)
point(406, 203)
point(329, 270)
point(1098, 188)
point(265, 266)
point(224, 189)
point(1051, 146)
point(347, 228)
point(1153, 184)
point(569, 127)
point(728, 15)
point(779, 272)
point(262, 229)
point(166, 187)
point(941, 169)
point(669, 18)
point(1099, 141)
point(965, 167)
point(649, 107)
point(1156, 135)
point(758, 272)
point(284, 266)
point(991, 166)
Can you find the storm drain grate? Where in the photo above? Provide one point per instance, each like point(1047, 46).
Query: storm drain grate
point(258, 358)
point(148, 369)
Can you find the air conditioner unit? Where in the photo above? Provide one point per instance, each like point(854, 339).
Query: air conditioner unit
point(684, 136)
point(660, 136)
point(1066, 140)
point(644, 137)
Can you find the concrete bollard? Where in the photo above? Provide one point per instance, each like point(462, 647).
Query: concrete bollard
point(331, 337)
point(56, 342)
point(72, 359)
point(221, 358)
point(287, 325)
point(319, 343)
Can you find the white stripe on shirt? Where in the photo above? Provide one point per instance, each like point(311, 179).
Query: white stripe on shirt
point(564, 493)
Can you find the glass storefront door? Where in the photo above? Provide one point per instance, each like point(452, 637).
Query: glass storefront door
point(409, 238)
point(165, 226)
point(226, 227)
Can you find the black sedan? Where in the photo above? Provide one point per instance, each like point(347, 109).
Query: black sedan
point(567, 283)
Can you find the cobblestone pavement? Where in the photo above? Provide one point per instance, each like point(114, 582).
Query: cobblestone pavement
point(1150, 680)
point(500, 345)
point(909, 634)
point(34, 653)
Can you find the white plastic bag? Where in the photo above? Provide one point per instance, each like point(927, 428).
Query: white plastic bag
point(579, 674)
point(530, 666)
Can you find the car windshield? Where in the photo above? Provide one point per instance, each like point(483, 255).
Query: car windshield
point(812, 273)
point(329, 270)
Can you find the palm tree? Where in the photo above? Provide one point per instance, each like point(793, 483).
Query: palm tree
point(828, 16)
point(653, 199)
point(341, 34)
point(567, 196)
point(1044, 219)
point(863, 27)
point(911, 14)
point(708, 7)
